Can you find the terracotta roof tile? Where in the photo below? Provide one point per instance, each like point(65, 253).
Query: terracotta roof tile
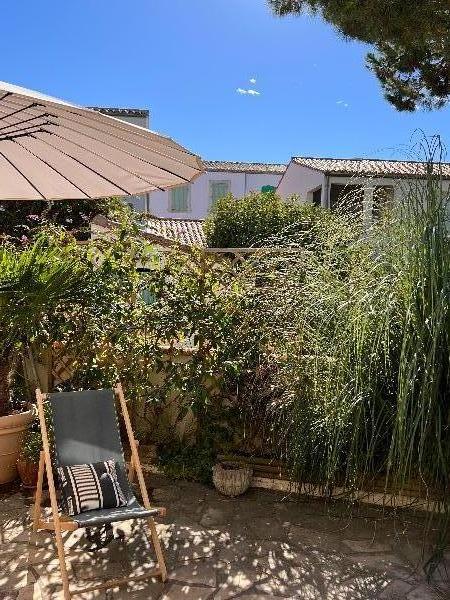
point(164, 232)
point(188, 232)
point(244, 167)
point(368, 167)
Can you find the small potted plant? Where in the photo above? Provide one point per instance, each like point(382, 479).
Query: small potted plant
point(232, 479)
point(28, 461)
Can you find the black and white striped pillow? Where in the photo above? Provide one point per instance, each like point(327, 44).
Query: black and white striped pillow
point(90, 487)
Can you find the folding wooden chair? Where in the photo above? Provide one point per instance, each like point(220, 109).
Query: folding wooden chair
point(86, 430)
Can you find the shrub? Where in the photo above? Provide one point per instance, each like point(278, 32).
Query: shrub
point(262, 219)
point(22, 219)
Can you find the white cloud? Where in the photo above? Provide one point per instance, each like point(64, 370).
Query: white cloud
point(342, 103)
point(253, 80)
point(250, 92)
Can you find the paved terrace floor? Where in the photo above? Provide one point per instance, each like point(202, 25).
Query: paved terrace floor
point(260, 546)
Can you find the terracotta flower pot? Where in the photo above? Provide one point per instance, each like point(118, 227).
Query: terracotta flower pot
point(12, 428)
point(28, 472)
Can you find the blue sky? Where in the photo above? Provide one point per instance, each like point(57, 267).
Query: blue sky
point(185, 61)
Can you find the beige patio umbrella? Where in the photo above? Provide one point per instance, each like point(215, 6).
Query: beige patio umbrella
point(54, 150)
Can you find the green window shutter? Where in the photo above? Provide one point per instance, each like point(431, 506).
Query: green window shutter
point(179, 199)
point(219, 189)
point(148, 296)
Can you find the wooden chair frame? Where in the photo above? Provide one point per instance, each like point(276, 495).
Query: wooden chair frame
point(59, 523)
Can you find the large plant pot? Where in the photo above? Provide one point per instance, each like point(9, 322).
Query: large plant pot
point(12, 428)
point(232, 479)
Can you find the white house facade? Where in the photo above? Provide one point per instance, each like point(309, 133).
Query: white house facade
point(194, 200)
point(328, 182)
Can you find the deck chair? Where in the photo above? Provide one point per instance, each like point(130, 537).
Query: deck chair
point(86, 430)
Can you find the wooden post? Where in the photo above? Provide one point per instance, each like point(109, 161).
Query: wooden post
point(52, 492)
point(132, 470)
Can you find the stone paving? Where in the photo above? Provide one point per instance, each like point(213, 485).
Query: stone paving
point(259, 546)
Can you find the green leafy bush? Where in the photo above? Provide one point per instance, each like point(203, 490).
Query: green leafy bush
point(31, 445)
point(21, 220)
point(262, 219)
point(138, 324)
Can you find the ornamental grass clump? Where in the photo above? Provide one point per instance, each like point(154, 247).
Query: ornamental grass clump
point(360, 334)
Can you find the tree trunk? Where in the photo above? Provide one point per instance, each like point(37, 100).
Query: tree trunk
point(5, 384)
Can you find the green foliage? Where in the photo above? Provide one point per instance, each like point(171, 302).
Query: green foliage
point(333, 353)
point(262, 219)
point(20, 220)
point(181, 461)
point(102, 332)
point(195, 305)
point(31, 445)
point(411, 41)
point(359, 334)
point(34, 282)
point(91, 300)
point(37, 285)
point(362, 347)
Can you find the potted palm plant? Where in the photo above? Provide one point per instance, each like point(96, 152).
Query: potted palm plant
point(37, 282)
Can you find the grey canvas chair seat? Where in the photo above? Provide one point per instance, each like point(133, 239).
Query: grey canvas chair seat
point(86, 430)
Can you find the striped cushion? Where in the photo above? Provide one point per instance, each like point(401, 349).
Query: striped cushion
point(90, 487)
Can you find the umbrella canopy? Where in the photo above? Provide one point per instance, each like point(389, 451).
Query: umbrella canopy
point(53, 150)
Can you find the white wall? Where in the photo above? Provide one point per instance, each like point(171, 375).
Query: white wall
point(241, 184)
point(298, 181)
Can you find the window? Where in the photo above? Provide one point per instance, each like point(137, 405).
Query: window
point(268, 189)
point(383, 198)
point(179, 199)
point(217, 190)
point(317, 196)
point(147, 295)
point(346, 197)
